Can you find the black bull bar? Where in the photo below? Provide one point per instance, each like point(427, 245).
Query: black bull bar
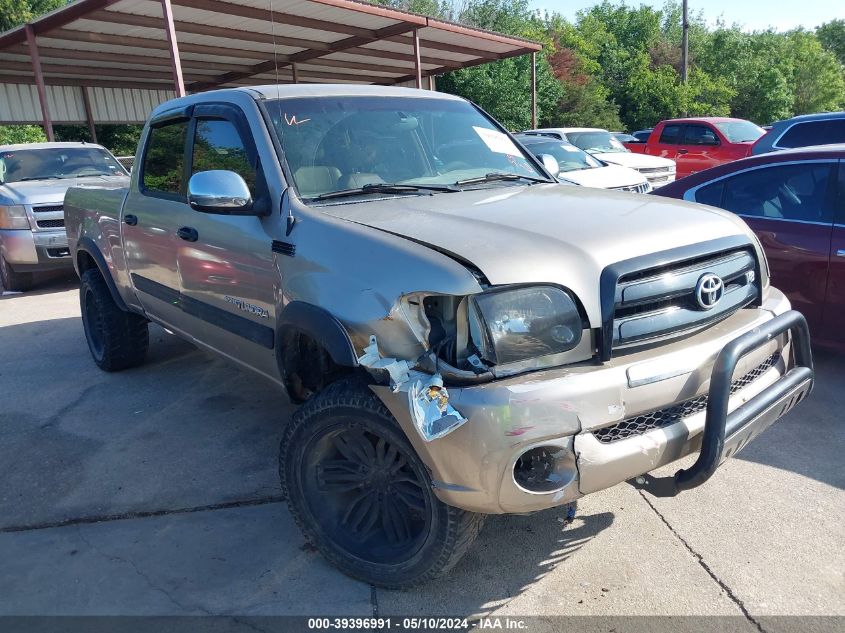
point(739, 427)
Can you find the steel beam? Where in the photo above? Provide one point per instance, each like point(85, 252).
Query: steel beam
point(89, 117)
point(39, 82)
point(178, 81)
point(417, 65)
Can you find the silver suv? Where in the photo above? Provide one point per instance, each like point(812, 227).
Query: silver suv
point(466, 336)
point(33, 181)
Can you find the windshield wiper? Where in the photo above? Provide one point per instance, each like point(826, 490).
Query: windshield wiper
point(382, 187)
point(496, 176)
point(28, 178)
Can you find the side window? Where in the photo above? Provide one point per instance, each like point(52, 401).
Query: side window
point(787, 192)
point(814, 133)
point(671, 134)
point(218, 145)
point(164, 158)
point(711, 194)
point(700, 135)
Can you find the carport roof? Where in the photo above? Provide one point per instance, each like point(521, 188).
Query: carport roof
point(124, 44)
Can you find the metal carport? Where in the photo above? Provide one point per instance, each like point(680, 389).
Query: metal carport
point(110, 61)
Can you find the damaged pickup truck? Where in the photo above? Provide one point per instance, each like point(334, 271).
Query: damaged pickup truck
point(466, 336)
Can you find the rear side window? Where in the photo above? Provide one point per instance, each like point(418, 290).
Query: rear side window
point(786, 192)
point(218, 145)
point(814, 133)
point(164, 159)
point(700, 135)
point(671, 134)
point(711, 194)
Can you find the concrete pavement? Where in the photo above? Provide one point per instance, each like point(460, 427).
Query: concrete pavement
point(154, 491)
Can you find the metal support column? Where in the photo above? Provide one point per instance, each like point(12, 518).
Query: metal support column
point(295, 73)
point(417, 64)
point(89, 117)
point(39, 81)
point(533, 91)
point(431, 83)
point(176, 63)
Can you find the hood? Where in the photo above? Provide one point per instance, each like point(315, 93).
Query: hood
point(635, 161)
point(50, 191)
point(605, 177)
point(544, 233)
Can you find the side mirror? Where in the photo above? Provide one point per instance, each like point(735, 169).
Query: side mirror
point(219, 191)
point(551, 164)
point(709, 139)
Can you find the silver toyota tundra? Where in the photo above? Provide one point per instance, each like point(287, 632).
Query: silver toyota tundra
point(466, 336)
point(33, 180)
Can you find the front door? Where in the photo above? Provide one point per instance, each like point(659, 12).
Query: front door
point(701, 145)
point(834, 316)
point(153, 212)
point(226, 266)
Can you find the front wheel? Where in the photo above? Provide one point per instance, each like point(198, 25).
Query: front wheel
point(363, 497)
point(12, 281)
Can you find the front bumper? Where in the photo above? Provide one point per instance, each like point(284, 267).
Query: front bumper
point(27, 250)
point(473, 467)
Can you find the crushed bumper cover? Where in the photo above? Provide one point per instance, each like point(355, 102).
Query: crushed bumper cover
point(562, 409)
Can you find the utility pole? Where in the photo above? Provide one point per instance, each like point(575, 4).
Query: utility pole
point(684, 44)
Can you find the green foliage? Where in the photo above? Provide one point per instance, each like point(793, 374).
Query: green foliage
point(832, 37)
point(120, 140)
point(817, 79)
point(16, 12)
point(12, 134)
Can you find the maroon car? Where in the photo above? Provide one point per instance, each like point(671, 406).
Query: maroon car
point(794, 201)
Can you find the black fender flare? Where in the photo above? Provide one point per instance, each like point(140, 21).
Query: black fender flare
point(88, 246)
point(321, 326)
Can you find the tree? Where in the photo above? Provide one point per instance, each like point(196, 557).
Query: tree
point(16, 12)
point(832, 37)
point(12, 134)
point(817, 75)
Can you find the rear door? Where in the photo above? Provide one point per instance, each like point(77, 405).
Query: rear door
point(790, 208)
point(155, 208)
point(834, 316)
point(699, 150)
point(668, 144)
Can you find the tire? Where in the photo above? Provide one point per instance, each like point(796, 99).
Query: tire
point(117, 339)
point(362, 496)
point(16, 282)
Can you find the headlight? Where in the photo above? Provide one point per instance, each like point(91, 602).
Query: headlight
point(516, 324)
point(13, 217)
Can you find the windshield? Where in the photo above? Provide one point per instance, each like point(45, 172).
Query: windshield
point(569, 157)
point(57, 163)
point(740, 131)
point(343, 142)
point(596, 141)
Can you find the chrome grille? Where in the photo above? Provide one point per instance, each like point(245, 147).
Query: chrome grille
point(677, 412)
point(653, 170)
point(641, 188)
point(50, 224)
point(660, 301)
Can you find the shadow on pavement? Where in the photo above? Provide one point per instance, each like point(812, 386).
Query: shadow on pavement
point(810, 440)
point(188, 430)
point(46, 283)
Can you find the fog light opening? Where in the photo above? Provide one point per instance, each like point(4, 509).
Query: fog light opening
point(543, 469)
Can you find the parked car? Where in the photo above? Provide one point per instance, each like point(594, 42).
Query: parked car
point(803, 131)
point(624, 137)
point(467, 336)
point(699, 143)
point(572, 164)
point(33, 181)
point(794, 201)
point(602, 145)
point(641, 135)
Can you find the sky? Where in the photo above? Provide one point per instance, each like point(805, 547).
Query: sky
point(750, 14)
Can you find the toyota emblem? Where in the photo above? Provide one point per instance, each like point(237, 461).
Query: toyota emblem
point(709, 290)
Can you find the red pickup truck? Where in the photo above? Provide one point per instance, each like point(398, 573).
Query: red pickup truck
point(699, 143)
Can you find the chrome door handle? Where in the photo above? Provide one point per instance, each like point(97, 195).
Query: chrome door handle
point(840, 252)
